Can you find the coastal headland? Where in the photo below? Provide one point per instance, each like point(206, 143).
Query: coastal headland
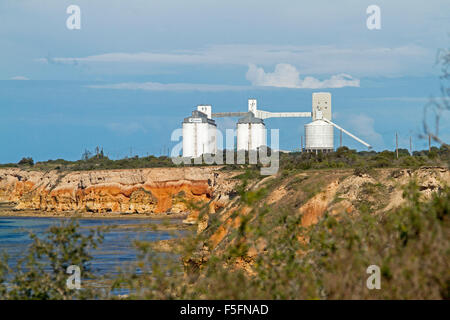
point(151, 192)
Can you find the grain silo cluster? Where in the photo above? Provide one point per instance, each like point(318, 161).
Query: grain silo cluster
point(200, 130)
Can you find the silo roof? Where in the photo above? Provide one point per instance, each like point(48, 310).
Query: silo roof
point(250, 118)
point(318, 122)
point(199, 117)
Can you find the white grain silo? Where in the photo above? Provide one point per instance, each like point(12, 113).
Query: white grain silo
point(199, 135)
point(251, 133)
point(319, 136)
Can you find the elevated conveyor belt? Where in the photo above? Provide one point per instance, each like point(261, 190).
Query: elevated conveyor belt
point(266, 114)
point(228, 114)
point(348, 133)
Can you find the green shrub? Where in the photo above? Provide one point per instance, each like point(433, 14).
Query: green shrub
point(26, 161)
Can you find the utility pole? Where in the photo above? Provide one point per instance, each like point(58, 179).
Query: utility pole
point(340, 139)
point(429, 142)
point(301, 150)
point(410, 145)
point(396, 144)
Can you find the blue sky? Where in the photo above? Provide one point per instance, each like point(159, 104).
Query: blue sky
point(136, 68)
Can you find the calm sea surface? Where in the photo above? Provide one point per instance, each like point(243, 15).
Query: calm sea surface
point(116, 250)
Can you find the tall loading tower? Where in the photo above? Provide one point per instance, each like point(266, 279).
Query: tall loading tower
point(319, 133)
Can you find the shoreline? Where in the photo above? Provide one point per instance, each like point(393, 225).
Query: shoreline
point(7, 210)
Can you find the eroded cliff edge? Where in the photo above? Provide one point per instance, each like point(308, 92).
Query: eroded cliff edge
point(307, 196)
point(152, 190)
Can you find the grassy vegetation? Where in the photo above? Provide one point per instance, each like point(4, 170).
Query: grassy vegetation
point(341, 158)
point(95, 163)
point(364, 160)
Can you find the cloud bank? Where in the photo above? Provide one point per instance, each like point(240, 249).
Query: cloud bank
point(284, 76)
point(386, 61)
point(156, 86)
point(287, 76)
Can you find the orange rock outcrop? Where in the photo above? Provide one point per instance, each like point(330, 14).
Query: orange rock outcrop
point(154, 190)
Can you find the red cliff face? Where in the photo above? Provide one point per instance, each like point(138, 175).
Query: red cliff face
point(154, 190)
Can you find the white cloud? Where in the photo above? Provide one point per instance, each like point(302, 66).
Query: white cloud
point(19, 78)
point(156, 86)
point(386, 61)
point(284, 76)
point(364, 128)
point(287, 76)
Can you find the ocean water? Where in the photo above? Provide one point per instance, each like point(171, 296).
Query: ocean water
point(115, 252)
